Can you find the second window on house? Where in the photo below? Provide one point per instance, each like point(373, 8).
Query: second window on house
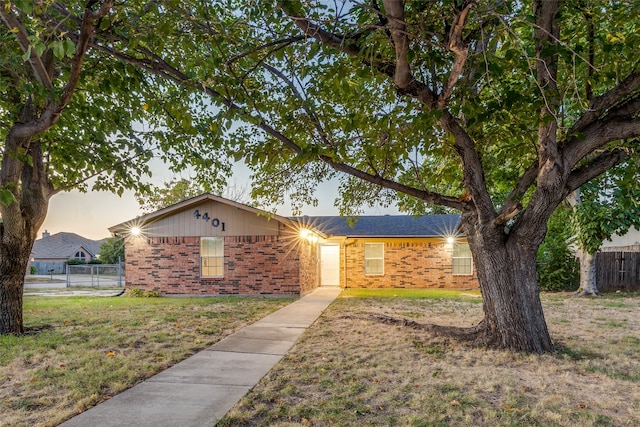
point(462, 260)
point(374, 258)
point(212, 256)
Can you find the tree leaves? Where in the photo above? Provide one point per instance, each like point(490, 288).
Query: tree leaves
point(609, 205)
point(7, 197)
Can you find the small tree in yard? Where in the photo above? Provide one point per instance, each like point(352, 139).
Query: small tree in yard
point(606, 206)
point(68, 115)
point(112, 250)
point(39, 73)
point(499, 110)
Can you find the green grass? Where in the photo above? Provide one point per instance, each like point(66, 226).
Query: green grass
point(78, 351)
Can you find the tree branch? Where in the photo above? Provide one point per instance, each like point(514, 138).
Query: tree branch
point(75, 184)
point(51, 113)
point(159, 66)
point(280, 43)
point(600, 104)
point(457, 45)
point(473, 173)
point(407, 85)
point(313, 30)
point(15, 25)
point(600, 133)
point(310, 112)
point(394, 9)
point(596, 166)
point(547, 33)
point(512, 205)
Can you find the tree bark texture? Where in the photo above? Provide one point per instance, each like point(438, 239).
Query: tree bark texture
point(14, 257)
point(506, 270)
point(21, 221)
point(587, 274)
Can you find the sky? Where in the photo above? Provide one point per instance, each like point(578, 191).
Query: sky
point(91, 214)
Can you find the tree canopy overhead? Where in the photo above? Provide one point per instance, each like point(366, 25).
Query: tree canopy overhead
point(421, 97)
point(496, 109)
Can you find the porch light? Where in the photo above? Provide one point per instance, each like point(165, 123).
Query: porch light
point(135, 231)
point(449, 241)
point(308, 235)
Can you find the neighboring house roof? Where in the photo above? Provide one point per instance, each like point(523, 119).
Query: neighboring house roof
point(188, 204)
point(64, 246)
point(385, 225)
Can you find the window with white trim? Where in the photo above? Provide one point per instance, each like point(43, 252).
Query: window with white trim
point(374, 259)
point(211, 257)
point(462, 260)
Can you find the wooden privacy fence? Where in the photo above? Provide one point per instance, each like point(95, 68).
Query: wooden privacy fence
point(618, 271)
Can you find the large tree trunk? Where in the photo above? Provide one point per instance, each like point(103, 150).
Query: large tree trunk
point(21, 220)
point(506, 269)
point(14, 258)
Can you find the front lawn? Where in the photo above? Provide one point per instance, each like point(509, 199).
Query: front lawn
point(351, 369)
point(80, 351)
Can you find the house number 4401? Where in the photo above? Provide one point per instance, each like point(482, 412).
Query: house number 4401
point(215, 222)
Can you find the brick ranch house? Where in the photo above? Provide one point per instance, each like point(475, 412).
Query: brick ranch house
point(209, 245)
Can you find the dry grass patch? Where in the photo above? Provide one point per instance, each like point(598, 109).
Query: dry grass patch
point(80, 351)
point(350, 369)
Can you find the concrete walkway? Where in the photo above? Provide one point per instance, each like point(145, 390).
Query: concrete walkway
point(200, 390)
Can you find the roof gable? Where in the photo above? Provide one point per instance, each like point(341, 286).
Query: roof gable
point(64, 245)
point(187, 207)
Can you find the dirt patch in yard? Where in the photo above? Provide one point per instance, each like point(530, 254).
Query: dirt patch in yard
point(352, 369)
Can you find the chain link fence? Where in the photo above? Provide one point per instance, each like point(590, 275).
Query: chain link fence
point(95, 275)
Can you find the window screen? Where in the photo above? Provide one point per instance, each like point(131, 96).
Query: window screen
point(212, 257)
point(374, 258)
point(462, 261)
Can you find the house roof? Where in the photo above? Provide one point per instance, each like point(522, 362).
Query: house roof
point(362, 226)
point(188, 204)
point(384, 225)
point(64, 246)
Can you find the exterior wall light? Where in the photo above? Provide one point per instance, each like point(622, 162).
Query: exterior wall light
point(309, 235)
point(135, 231)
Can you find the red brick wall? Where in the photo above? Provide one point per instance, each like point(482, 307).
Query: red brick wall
point(252, 265)
point(418, 264)
point(309, 269)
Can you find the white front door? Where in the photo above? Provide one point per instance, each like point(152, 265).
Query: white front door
point(329, 265)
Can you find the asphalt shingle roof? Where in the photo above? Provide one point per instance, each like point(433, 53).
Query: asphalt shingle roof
point(384, 226)
point(64, 245)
